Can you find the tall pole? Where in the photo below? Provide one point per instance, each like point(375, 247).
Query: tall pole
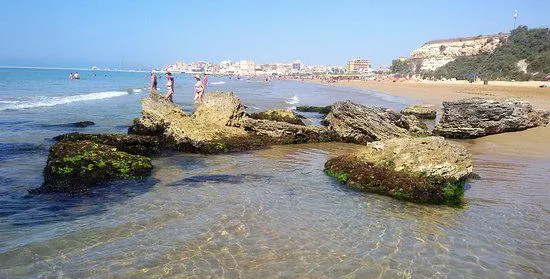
point(515, 18)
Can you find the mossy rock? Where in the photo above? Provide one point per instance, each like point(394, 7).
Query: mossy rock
point(321, 110)
point(422, 170)
point(279, 115)
point(133, 144)
point(75, 166)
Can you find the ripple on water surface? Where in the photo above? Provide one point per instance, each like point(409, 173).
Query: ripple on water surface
point(273, 213)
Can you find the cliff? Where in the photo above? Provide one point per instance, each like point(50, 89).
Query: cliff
point(437, 53)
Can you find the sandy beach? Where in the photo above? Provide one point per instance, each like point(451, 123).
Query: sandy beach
point(437, 92)
point(531, 143)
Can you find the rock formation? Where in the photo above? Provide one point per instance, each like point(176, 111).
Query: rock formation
point(218, 125)
point(321, 110)
point(75, 166)
point(421, 111)
point(132, 144)
point(360, 124)
point(425, 170)
point(285, 133)
point(477, 117)
point(280, 115)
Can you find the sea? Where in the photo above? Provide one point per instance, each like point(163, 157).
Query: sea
point(270, 213)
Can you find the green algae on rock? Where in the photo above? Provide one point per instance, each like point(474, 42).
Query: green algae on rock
point(422, 170)
point(279, 115)
point(321, 110)
point(75, 166)
point(133, 144)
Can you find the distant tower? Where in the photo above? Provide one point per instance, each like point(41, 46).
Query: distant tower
point(515, 18)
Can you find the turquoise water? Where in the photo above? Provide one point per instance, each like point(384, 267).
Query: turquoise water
point(267, 213)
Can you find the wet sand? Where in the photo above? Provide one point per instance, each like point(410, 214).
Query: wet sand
point(531, 143)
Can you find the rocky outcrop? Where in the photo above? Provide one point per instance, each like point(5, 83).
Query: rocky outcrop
point(279, 115)
point(75, 166)
point(286, 133)
point(211, 129)
point(424, 170)
point(133, 144)
point(477, 117)
point(360, 124)
point(420, 111)
point(220, 109)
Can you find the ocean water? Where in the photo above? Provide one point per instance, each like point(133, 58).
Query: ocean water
point(268, 213)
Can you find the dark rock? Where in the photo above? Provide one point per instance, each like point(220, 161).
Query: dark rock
point(321, 110)
point(286, 133)
point(133, 144)
point(360, 124)
point(477, 117)
point(421, 111)
point(82, 124)
point(75, 166)
point(279, 115)
point(424, 170)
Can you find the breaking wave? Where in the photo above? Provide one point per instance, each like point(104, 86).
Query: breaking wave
point(60, 100)
point(292, 101)
point(217, 82)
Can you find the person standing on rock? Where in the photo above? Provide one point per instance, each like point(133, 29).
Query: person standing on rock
point(198, 90)
point(153, 81)
point(204, 83)
point(170, 86)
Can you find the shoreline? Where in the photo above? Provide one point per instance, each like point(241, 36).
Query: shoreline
point(526, 144)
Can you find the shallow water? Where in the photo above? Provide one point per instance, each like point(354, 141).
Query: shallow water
point(267, 213)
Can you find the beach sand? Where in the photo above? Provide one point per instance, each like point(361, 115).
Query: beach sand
point(532, 143)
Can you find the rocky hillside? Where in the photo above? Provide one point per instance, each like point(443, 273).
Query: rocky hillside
point(435, 54)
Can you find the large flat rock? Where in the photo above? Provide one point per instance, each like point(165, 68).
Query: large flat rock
point(477, 117)
point(361, 124)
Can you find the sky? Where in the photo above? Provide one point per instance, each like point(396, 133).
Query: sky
point(149, 34)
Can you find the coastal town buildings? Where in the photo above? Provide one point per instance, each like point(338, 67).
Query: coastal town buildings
point(251, 68)
point(358, 65)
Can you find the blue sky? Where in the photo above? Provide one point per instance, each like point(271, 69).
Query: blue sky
point(154, 33)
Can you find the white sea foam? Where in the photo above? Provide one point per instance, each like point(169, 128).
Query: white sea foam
point(292, 101)
point(61, 100)
point(217, 82)
point(8, 102)
point(137, 90)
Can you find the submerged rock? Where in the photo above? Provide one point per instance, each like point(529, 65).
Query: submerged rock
point(421, 111)
point(133, 144)
point(360, 124)
point(477, 117)
point(321, 110)
point(82, 124)
point(279, 115)
point(75, 166)
point(423, 170)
